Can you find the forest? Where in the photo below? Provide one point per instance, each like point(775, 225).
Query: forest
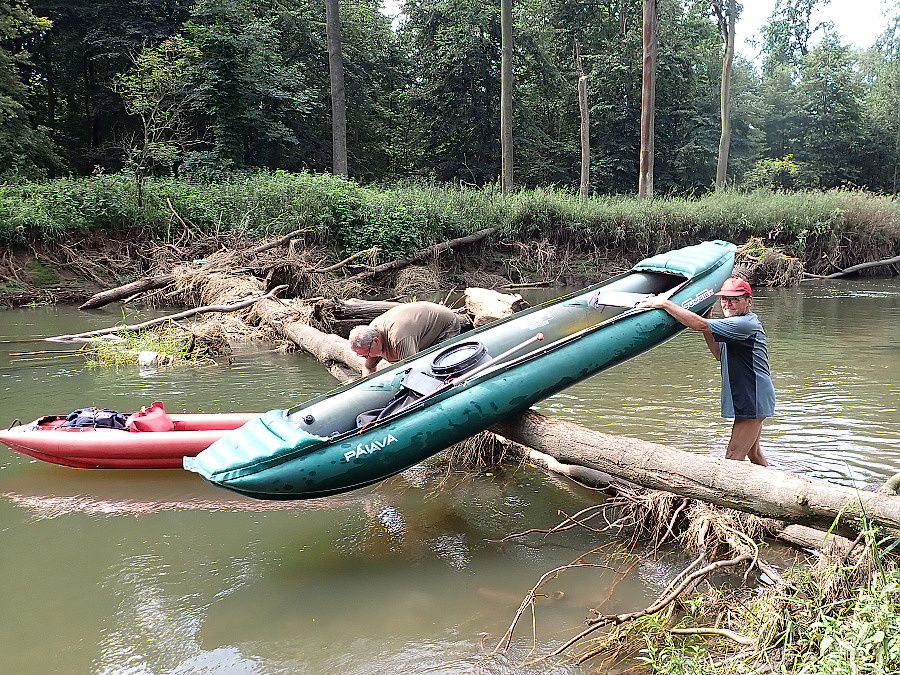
point(196, 89)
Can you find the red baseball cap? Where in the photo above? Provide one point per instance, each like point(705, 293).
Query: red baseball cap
point(735, 287)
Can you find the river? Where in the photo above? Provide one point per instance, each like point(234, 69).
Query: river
point(151, 572)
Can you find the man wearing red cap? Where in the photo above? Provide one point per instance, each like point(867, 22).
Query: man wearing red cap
point(739, 342)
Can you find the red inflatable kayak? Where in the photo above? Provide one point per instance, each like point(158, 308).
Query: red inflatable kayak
point(150, 439)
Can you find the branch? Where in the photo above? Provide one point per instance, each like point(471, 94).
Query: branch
point(278, 242)
point(724, 632)
point(182, 315)
point(657, 605)
point(424, 253)
point(861, 266)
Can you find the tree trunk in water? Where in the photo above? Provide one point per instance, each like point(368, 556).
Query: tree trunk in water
point(506, 123)
point(742, 486)
point(727, 25)
point(338, 95)
point(648, 101)
point(120, 293)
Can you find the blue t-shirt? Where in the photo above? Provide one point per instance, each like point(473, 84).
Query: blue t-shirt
point(747, 390)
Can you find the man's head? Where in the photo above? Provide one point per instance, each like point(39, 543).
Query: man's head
point(736, 296)
point(366, 341)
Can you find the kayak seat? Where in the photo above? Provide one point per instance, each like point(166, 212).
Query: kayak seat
point(152, 418)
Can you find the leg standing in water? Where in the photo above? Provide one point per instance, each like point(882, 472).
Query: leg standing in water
point(738, 342)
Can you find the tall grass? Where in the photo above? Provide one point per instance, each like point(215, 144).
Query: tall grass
point(828, 229)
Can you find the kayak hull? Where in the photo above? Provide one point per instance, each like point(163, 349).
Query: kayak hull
point(324, 447)
point(98, 448)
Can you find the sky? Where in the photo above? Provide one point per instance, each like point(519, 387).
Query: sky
point(857, 21)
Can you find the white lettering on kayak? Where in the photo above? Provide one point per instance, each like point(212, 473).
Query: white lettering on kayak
point(705, 294)
point(369, 448)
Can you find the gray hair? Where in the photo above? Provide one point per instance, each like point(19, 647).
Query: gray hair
point(361, 337)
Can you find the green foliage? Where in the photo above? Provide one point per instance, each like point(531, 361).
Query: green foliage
point(779, 174)
point(402, 218)
point(57, 208)
point(830, 620)
point(26, 149)
point(455, 97)
point(158, 91)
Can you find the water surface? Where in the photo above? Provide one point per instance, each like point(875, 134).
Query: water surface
point(126, 572)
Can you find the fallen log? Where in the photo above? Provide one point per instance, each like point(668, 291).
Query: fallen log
point(765, 492)
point(357, 310)
point(120, 293)
point(855, 268)
point(421, 255)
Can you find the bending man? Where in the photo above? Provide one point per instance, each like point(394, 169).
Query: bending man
point(402, 331)
point(739, 342)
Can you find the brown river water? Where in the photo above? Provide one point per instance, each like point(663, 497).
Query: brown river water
point(152, 572)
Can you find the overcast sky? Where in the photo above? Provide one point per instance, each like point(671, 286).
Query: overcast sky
point(857, 21)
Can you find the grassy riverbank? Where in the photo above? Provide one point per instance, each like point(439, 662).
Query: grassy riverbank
point(834, 615)
point(827, 230)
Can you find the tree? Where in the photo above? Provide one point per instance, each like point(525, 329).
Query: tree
point(75, 62)
point(584, 187)
point(830, 120)
point(881, 107)
point(260, 102)
point(726, 17)
point(338, 95)
point(25, 148)
point(648, 101)
point(506, 91)
point(786, 35)
point(455, 98)
point(157, 89)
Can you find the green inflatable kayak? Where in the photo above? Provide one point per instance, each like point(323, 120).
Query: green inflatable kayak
point(378, 426)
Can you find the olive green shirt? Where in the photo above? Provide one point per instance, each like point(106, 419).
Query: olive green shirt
point(413, 326)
